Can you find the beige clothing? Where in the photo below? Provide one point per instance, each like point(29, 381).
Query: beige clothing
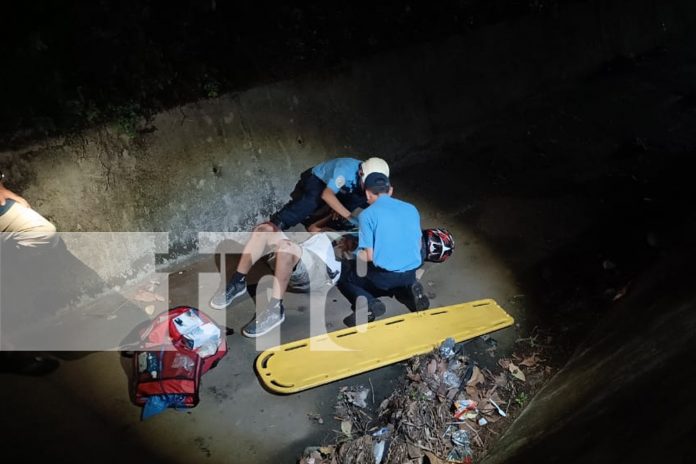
point(26, 228)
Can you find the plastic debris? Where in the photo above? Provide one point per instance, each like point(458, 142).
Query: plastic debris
point(357, 397)
point(451, 379)
point(464, 408)
point(431, 411)
point(447, 348)
point(500, 411)
point(378, 451)
point(461, 454)
point(158, 403)
point(379, 445)
point(461, 438)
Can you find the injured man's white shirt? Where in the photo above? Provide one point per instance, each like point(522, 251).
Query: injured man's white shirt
point(319, 265)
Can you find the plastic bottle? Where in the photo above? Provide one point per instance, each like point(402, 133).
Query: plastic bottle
point(153, 365)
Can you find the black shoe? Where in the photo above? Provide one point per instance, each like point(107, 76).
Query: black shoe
point(223, 297)
point(375, 309)
point(415, 298)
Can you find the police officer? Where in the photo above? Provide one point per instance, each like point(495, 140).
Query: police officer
point(390, 242)
point(336, 183)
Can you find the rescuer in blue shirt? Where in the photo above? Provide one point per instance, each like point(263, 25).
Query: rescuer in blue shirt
point(336, 183)
point(390, 241)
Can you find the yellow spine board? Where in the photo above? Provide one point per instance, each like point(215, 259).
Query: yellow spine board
point(325, 358)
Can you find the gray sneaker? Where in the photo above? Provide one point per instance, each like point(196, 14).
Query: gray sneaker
point(263, 323)
point(223, 298)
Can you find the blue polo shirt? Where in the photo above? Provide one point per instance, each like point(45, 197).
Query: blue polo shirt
point(339, 173)
point(392, 229)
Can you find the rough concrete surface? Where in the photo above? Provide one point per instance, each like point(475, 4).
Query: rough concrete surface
point(519, 181)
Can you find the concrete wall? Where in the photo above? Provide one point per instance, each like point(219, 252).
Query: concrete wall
point(626, 395)
point(226, 163)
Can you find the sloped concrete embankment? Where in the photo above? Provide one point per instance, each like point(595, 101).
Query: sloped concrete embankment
point(626, 394)
point(226, 163)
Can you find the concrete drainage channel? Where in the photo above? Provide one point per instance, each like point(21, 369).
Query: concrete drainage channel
point(570, 208)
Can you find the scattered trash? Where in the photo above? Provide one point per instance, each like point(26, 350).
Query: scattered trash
point(461, 438)
point(347, 427)
point(380, 445)
point(446, 410)
point(500, 411)
point(378, 451)
point(451, 379)
point(464, 407)
point(356, 397)
point(461, 455)
point(317, 454)
point(315, 417)
point(447, 348)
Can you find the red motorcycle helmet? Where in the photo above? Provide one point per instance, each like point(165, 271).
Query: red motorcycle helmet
point(438, 245)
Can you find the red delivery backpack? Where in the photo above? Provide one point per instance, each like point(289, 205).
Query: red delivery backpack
point(168, 367)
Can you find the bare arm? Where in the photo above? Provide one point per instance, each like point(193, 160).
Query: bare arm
point(6, 194)
point(320, 225)
point(330, 198)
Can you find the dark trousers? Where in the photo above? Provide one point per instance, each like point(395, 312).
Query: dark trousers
point(377, 283)
point(305, 200)
point(306, 205)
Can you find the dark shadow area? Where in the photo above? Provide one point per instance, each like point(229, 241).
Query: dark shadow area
point(77, 63)
point(586, 194)
point(578, 190)
point(38, 289)
point(641, 353)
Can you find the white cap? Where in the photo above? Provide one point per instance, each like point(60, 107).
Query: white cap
point(374, 165)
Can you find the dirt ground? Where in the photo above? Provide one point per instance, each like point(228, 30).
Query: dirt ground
point(556, 205)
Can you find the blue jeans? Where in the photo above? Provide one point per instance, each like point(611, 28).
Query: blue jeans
point(377, 283)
